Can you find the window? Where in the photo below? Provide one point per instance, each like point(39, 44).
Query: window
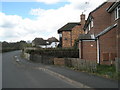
point(92, 23)
point(60, 35)
point(117, 12)
point(89, 27)
point(86, 31)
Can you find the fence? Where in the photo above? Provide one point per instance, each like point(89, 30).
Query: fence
point(76, 63)
point(117, 64)
point(39, 58)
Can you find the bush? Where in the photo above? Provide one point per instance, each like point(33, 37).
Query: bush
point(60, 53)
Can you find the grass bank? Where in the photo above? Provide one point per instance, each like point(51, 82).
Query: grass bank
point(107, 71)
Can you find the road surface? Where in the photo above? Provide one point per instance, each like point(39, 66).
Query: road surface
point(16, 75)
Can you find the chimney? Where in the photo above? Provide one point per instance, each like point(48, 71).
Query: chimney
point(82, 18)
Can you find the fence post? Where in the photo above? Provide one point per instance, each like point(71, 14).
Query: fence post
point(117, 64)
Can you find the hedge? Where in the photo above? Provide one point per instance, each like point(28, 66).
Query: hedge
point(60, 53)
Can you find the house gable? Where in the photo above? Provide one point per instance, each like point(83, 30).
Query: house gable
point(68, 27)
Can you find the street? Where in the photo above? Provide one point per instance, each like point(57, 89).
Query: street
point(21, 76)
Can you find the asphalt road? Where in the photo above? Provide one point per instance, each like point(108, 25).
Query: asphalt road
point(21, 76)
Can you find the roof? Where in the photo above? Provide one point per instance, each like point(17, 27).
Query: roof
point(113, 6)
point(68, 27)
point(92, 37)
point(52, 39)
point(86, 37)
point(39, 41)
point(106, 30)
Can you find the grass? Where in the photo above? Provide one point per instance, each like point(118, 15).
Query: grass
point(108, 71)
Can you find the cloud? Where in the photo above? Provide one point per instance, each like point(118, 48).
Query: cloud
point(50, 1)
point(46, 23)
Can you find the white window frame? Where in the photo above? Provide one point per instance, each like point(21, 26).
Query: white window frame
point(86, 31)
point(92, 23)
point(117, 10)
point(89, 27)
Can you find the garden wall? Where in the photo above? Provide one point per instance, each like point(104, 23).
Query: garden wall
point(76, 63)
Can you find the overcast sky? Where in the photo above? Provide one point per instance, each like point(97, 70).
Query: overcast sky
point(40, 18)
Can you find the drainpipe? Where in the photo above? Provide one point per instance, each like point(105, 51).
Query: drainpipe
point(98, 51)
point(80, 51)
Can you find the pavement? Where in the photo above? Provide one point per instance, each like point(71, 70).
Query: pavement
point(80, 79)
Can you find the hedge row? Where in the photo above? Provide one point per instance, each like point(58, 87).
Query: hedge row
point(60, 53)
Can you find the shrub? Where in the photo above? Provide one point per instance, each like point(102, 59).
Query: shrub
point(60, 53)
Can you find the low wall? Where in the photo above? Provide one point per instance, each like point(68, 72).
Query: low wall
point(27, 56)
point(39, 58)
point(77, 63)
point(59, 61)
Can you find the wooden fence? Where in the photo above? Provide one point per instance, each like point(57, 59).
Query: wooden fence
point(117, 64)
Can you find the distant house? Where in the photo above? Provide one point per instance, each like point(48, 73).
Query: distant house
point(70, 32)
point(100, 41)
point(50, 43)
point(39, 42)
point(53, 42)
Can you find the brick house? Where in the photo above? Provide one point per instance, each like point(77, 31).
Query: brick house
point(100, 41)
point(70, 32)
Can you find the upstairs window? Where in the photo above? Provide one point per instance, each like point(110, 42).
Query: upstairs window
point(89, 27)
point(92, 23)
point(117, 12)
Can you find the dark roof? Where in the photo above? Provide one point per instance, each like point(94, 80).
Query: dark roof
point(68, 27)
point(86, 37)
point(92, 37)
point(52, 39)
point(106, 30)
point(113, 6)
point(39, 41)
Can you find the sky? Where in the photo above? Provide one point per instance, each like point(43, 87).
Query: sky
point(26, 20)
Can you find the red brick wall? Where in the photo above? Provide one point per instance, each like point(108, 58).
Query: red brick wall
point(89, 52)
point(107, 44)
point(69, 37)
point(76, 31)
point(59, 61)
point(118, 39)
point(66, 39)
point(101, 19)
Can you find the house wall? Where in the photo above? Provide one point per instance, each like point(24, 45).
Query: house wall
point(113, 21)
point(118, 39)
point(89, 50)
point(76, 31)
point(108, 46)
point(66, 39)
point(69, 37)
point(101, 19)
